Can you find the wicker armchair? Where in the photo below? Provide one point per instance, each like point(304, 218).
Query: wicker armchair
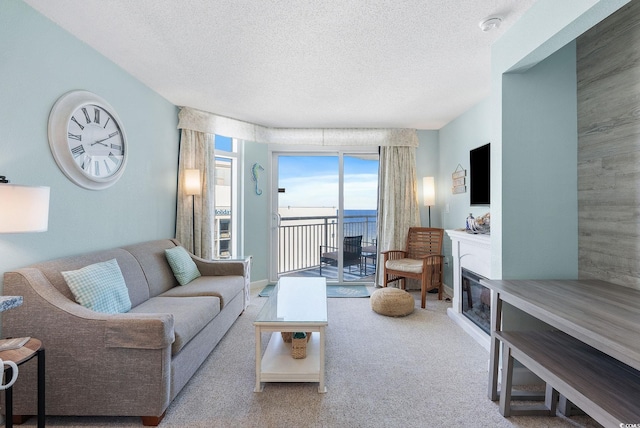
point(422, 260)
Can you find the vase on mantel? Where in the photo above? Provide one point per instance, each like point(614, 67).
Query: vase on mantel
point(480, 225)
point(470, 223)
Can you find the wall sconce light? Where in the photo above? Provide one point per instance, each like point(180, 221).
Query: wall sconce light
point(23, 208)
point(429, 193)
point(192, 187)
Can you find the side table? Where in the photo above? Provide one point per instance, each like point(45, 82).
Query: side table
point(33, 348)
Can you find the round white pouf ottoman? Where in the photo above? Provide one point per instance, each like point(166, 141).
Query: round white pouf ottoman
point(392, 302)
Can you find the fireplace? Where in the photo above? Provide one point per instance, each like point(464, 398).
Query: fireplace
point(471, 256)
point(476, 300)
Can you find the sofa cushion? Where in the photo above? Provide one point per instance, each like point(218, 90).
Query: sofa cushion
point(190, 315)
point(405, 265)
point(152, 260)
point(133, 275)
point(224, 287)
point(183, 267)
point(99, 287)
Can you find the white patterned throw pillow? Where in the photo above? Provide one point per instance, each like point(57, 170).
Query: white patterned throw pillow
point(183, 267)
point(100, 287)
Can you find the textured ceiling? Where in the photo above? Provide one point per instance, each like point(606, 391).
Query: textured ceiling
point(301, 64)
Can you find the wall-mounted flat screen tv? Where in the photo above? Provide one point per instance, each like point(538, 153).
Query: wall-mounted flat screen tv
point(480, 175)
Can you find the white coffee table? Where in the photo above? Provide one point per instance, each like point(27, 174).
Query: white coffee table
point(295, 304)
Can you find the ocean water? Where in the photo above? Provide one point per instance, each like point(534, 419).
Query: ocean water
point(361, 222)
point(359, 215)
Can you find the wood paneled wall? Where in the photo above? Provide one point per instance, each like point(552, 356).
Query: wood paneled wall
point(608, 67)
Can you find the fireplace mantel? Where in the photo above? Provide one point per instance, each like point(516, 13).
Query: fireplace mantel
point(472, 252)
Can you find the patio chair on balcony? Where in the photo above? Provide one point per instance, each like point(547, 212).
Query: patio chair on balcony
point(351, 253)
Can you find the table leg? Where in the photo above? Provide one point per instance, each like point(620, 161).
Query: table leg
point(8, 398)
point(507, 378)
point(321, 387)
point(494, 347)
point(41, 388)
point(258, 387)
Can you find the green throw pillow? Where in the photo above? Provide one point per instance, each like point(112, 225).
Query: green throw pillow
point(184, 268)
point(100, 287)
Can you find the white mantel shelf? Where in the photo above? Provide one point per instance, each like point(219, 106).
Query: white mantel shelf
point(472, 252)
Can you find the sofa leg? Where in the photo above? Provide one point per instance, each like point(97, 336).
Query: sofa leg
point(152, 421)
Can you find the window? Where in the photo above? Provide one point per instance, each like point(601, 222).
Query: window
point(226, 230)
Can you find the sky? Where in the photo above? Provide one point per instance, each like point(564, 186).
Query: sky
point(312, 181)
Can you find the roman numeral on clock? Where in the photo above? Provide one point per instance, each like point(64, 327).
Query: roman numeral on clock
point(96, 115)
point(96, 166)
point(77, 151)
point(105, 124)
point(74, 136)
point(107, 167)
point(114, 158)
point(116, 147)
point(73, 118)
point(86, 114)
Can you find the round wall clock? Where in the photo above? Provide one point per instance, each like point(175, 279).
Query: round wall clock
point(87, 140)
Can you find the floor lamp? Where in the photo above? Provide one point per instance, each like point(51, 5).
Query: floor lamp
point(429, 194)
point(192, 187)
point(22, 209)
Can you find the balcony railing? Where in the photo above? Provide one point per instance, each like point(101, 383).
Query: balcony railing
point(300, 238)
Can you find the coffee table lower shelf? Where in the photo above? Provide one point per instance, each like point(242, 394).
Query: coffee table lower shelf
point(277, 364)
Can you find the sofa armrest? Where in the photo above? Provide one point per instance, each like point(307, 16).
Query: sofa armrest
point(48, 313)
point(139, 331)
point(222, 267)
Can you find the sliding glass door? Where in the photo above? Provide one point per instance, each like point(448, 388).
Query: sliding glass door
point(324, 215)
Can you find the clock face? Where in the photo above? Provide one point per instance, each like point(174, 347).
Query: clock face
point(87, 140)
point(95, 141)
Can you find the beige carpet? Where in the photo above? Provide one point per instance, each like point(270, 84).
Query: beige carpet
point(417, 371)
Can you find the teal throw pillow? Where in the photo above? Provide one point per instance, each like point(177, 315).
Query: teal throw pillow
point(100, 287)
point(183, 267)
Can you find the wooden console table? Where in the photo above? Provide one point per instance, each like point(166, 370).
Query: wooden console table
point(597, 327)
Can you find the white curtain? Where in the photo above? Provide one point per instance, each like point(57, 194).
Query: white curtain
point(398, 200)
point(195, 213)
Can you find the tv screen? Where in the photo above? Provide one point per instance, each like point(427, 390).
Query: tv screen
point(480, 175)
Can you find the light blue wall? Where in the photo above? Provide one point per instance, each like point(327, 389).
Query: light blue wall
point(256, 208)
point(468, 131)
point(539, 170)
point(38, 63)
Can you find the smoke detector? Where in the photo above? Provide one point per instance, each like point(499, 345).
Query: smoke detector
point(490, 23)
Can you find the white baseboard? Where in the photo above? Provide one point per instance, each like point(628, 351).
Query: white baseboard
point(259, 284)
point(447, 290)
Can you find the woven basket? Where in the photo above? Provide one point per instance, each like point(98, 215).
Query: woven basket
point(287, 335)
point(299, 346)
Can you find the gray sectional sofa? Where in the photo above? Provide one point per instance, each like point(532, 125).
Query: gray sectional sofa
point(130, 364)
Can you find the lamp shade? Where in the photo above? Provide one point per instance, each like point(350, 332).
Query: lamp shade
point(23, 208)
point(192, 182)
point(429, 191)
